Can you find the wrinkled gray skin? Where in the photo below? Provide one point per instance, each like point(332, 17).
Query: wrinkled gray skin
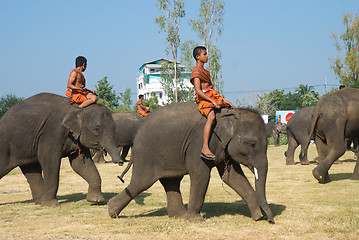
point(298, 129)
point(127, 125)
point(274, 130)
point(37, 132)
point(168, 147)
point(335, 121)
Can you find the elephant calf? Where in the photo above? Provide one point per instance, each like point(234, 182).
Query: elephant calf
point(127, 125)
point(169, 146)
point(37, 132)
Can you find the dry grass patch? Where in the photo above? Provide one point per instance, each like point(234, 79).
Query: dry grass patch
point(303, 208)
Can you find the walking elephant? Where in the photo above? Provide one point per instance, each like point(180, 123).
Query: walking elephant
point(335, 122)
point(168, 146)
point(37, 132)
point(127, 125)
point(298, 129)
point(274, 130)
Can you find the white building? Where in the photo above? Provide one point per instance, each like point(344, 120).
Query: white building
point(149, 80)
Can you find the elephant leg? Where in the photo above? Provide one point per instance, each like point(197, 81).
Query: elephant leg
point(335, 149)
point(198, 189)
point(138, 184)
point(321, 149)
point(275, 137)
point(175, 206)
point(124, 153)
point(355, 175)
point(292, 145)
point(235, 178)
point(33, 174)
point(303, 159)
point(50, 160)
point(98, 157)
point(86, 168)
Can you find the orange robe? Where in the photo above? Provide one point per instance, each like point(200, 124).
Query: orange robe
point(77, 96)
point(204, 75)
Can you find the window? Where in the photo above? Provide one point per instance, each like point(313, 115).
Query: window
point(160, 94)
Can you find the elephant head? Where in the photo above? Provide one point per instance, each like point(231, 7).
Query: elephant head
point(242, 133)
point(94, 128)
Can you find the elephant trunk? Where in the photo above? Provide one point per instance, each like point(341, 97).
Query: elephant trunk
point(110, 147)
point(260, 184)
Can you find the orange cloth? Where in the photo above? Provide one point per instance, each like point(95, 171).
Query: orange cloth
point(210, 92)
point(76, 96)
point(142, 112)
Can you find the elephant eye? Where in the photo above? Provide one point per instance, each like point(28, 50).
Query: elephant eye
point(96, 131)
point(252, 144)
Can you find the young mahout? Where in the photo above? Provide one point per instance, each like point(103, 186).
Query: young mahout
point(143, 110)
point(76, 85)
point(206, 97)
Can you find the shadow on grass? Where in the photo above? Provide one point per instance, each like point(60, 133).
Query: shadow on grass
point(211, 210)
point(75, 197)
point(339, 176)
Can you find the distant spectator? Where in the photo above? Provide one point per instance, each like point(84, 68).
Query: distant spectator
point(341, 86)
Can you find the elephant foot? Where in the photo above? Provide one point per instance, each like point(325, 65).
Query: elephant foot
point(257, 215)
point(322, 178)
point(95, 198)
point(177, 214)
point(50, 203)
point(194, 217)
point(289, 162)
point(112, 208)
point(304, 162)
point(354, 177)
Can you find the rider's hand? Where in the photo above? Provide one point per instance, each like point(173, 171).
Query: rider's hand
point(216, 104)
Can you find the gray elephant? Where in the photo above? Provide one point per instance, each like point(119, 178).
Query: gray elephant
point(169, 146)
point(37, 132)
point(335, 122)
point(274, 130)
point(298, 128)
point(127, 125)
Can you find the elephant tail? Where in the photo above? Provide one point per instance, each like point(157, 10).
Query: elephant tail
point(125, 171)
point(311, 134)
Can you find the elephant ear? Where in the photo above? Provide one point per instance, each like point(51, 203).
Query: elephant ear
point(224, 128)
point(72, 121)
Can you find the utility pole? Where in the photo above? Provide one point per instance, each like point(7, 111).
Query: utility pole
point(325, 85)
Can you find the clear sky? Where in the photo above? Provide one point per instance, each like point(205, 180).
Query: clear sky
point(265, 45)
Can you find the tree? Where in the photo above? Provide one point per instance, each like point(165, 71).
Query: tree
point(346, 65)
point(106, 95)
point(169, 22)
point(7, 102)
point(307, 95)
point(209, 27)
point(184, 93)
point(126, 101)
point(303, 96)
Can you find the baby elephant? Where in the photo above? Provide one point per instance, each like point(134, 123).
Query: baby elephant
point(168, 146)
point(37, 132)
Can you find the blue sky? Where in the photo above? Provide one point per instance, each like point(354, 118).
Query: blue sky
point(265, 45)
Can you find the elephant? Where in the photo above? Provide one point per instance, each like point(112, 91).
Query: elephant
point(37, 132)
point(298, 128)
point(168, 146)
point(335, 122)
point(127, 125)
point(274, 130)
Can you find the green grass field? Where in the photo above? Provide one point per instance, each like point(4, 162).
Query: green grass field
point(303, 208)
